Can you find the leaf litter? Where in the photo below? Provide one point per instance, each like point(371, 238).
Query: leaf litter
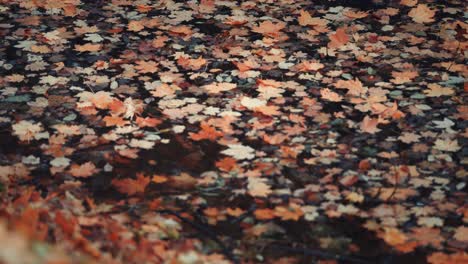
point(233, 132)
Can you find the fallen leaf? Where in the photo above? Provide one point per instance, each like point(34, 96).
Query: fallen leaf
point(83, 171)
point(115, 121)
point(393, 236)
point(292, 212)
point(183, 181)
point(305, 19)
point(354, 87)
point(329, 95)
point(132, 186)
point(430, 221)
point(338, 39)
point(264, 214)
point(191, 64)
point(257, 187)
point(88, 47)
point(207, 132)
point(356, 14)
point(26, 130)
point(269, 28)
point(251, 103)
point(215, 88)
point(436, 90)
point(408, 2)
point(422, 14)
point(447, 145)
point(369, 125)
point(239, 151)
point(146, 66)
point(135, 25)
point(461, 234)
point(349, 180)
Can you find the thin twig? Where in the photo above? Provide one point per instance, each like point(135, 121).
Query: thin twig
point(397, 178)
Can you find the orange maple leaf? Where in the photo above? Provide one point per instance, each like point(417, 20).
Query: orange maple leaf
point(235, 21)
point(165, 90)
point(246, 65)
point(403, 77)
point(215, 88)
point(436, 90)
point(422, 14)
point(226, 164)
point(349, 180)
point(191, 64)
point(269, 28)
point(117, 107)
point(144, 8)
point(135, 25)
point(146, 66)
point(132, 186)
point(309, 66)
point(442, 258)
point(275, 139)
point(264, 214)
point(338, 39)
point(356, 15)
point(392, 112)
point(369, 125)
point(159, 42)
point(67, 224)
point(88, 47)
point(408, 2)
point(114, 120)
point(159, 179)
point(128, 153)
point(354, 87)
point(268, 110)
point(147, 121)
point(291, 212)
point(236, 212)
point(40, 49)
point(393, 236)
point(330, 95)
point(83, 171)
point(305, 19)
point(181, 30)
point(101, 99)
point(206, 132)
